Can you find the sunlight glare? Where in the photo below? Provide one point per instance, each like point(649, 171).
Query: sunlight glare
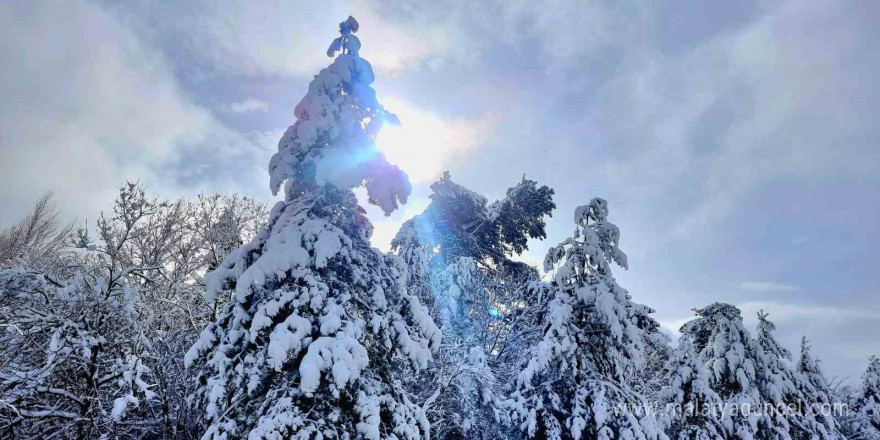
point(424, 143)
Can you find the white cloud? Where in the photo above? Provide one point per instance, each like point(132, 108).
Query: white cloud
point(767, 287)
point(249, 105)
point(386, 227)
point(822, 314)
point(86, 105)
point(788, 89)
point(89, 100)
point(567, 29)
point(290, 38)
point(671, 328)
point(83, 99)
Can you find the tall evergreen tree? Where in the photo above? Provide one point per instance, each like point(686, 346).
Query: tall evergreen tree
point(688, 405)
point(729, 354)
point(574, 386)
point(864, 423)
point(816, 392)
point(777, 382)
point(459, 256)
point(658, 353)
point(870, 391)
point(797, 409)
point(462, 223)
point(306, 347)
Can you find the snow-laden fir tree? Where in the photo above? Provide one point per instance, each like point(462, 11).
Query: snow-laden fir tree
point(783, 386)
point(730, 355)
point(459, 391)
point(575, 384)
point(462, 223)
point(459, 256)
point(652, 376)
point(688, 405)
point(306, 347)
point(777, 382)
point(816, 392)
point(864, 423)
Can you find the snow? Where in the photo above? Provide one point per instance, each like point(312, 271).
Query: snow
point(343, 354)
point(426, 327)
point(287, 336)
point(326, 247)
point(120, 405)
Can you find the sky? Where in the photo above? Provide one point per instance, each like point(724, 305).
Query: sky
point(736, 142)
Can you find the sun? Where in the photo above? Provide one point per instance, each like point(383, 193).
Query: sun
point(402, 148)
point(424, 143)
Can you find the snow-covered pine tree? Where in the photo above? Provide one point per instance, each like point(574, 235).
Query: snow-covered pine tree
point(865, 420)
point(782, 386)
point(688, 406)
point(458, 252)
point(816, 392)
point(305, 349)
point(652, 376)
point(462, 243)
point(574, 386)
point(462, 223)
point(777, 382)
point(812, 372)
point(730, 355)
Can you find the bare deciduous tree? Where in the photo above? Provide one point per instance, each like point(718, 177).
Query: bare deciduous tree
point(37, 240)
point(93, 334)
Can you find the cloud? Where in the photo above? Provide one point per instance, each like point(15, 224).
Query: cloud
point(773, 98)
point(767, 287)
point(248, 105)
point(288, 38)
point(790, 312)
point(567, 29)
point(385, 227)
point(87, 104)
point(83, 100)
